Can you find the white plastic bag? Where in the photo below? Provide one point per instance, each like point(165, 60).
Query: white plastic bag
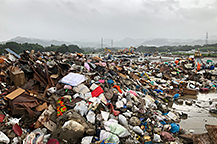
point(72, 125)
point(81, 107)
point(122, 120)
point(4, 138)
point(119, 104)
point(109, 137)
point(116, 128)
point(91, 117)
point(86, 140)
point(157, 138)
point(138, 130)
point(105, 115)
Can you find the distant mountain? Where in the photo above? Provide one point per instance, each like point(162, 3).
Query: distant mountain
point(85, 44)
point(176, 42)
point(213, 37)
point(158, 42)
point(126, 42)
point(44, 43)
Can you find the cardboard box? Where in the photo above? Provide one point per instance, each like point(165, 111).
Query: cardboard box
point(18, 77)
point(11, 97)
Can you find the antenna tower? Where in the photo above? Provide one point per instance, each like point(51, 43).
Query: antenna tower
point(206, 42)
point(101, 42)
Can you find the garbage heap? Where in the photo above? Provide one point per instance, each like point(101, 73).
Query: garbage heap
point(73, 98)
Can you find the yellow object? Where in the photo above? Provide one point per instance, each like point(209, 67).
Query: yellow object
point(130, 49)
point(107, 50)
point(197, 53)
point(147, 75)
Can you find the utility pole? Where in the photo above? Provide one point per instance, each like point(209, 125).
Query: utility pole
point(101, 43)
point(206, 41)
point(111, 43)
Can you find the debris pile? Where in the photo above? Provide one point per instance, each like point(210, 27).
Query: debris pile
point(56, 98)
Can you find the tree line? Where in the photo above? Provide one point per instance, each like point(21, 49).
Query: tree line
point(209, 47)
point(19, 48)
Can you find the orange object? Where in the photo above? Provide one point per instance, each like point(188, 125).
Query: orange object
point(118, 88)
point(2, 60)
point(198, 66)
point(177, 61)
point(80, 55)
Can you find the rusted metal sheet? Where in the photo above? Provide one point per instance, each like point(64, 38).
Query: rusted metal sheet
point(212, 131)
point(187, 136)
point(202, 139)
point(190, 91)
point(167, 76)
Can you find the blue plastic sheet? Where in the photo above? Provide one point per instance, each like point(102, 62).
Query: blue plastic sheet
point(174, 128)
point(176, 96)
point(110, 81)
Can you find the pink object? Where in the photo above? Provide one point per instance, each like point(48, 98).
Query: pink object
point(132, 92)
point(167, 136)
point(86, 65)
point(102, 63)
point(101, 81)
point(113, 111)
point(67, 87)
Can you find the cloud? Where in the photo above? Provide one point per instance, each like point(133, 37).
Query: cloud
point(71, 20)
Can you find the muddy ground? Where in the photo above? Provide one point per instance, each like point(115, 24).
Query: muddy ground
point(198, 114)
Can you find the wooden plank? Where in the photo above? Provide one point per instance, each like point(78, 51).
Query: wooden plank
point(15, 93)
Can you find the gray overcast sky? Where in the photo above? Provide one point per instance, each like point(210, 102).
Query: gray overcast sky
point(71, 20)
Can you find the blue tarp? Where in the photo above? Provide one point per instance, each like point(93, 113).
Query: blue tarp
point(12, 52)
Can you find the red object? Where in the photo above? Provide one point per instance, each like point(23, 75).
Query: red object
point(118, 88)
point(113, 111)
point(17, 130)
point(2, 117)
point(53, 141)
point(97, 92)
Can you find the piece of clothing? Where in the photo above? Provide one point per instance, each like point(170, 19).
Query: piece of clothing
point(61, 108)
point(97, 92)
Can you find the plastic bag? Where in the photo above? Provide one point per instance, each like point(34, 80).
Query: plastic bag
point(72, 125)
point(119, 104)
point(4, 138)
point(81, 107)
point(37, 136)
point(122, 120)
point(116, 128)
point(157, 138)
point(109, 137)
point(138, 130)
point(86, 140)
point(105, 115)
point(91, 117)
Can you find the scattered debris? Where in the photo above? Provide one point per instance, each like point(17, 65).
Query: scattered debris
point(52, 97)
